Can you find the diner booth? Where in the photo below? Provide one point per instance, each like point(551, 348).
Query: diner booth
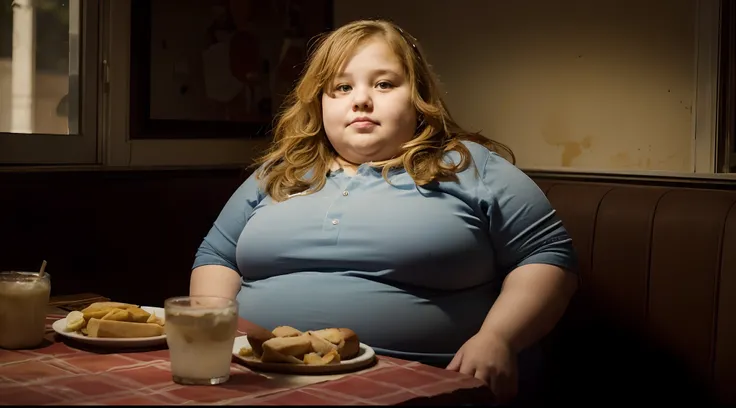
point(119, 215)
point(653, 318)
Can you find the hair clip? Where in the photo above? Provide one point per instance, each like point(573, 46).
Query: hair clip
point(409, 40)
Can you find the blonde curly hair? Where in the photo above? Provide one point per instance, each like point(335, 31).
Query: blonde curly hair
point(300, 144)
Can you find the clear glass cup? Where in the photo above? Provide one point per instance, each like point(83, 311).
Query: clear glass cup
point(200, 332)
point(24, 300)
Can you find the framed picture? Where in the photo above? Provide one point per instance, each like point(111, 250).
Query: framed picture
point(217, 68)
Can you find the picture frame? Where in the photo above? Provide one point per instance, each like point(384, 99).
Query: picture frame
point(217, 69)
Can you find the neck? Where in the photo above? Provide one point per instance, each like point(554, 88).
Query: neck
point(340, 162)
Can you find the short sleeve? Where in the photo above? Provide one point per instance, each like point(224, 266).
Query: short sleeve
point(523, 226)
point(218, 246)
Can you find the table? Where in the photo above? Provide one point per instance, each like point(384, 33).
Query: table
point(64, 373)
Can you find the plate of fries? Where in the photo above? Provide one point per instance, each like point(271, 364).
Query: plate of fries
point(114, 324)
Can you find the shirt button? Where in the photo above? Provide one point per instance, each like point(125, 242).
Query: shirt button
point(335, 222)
point(345, 193)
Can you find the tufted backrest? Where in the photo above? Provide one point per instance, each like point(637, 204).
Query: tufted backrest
point(658, 264)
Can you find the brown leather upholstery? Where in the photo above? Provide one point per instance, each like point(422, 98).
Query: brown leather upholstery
point(658, 293)
point(725, 348)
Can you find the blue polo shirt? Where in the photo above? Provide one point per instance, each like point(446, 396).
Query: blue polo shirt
point(412, 270)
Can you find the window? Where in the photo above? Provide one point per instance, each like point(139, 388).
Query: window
point(48, 81)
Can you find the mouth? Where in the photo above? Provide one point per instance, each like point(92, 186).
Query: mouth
point(363, 121)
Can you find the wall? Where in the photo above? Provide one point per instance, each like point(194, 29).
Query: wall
point(594, 85)
point(570, 85)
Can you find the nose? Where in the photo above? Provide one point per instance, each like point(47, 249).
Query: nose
point(362, 100)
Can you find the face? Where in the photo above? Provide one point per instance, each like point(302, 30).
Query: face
point(367, 111)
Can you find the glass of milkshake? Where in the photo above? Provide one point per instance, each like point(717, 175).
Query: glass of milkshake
point(200, 331)
point(24, 298)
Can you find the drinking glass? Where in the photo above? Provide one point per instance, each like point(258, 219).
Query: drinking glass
point(24, 299)
point(200, 331)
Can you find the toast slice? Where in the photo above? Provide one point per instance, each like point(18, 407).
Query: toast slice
point(347, 342)
point(279, 349)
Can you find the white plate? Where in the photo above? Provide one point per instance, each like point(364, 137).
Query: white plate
point(366, 356)
point(59, 326)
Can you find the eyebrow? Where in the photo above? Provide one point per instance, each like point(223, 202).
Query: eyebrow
point(376, 72)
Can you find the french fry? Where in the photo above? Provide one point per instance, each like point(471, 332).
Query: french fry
point(332, 357)
point(313, 359)
point(139, 315)
point(120, 315)
point(155, 319)
point(78, 321)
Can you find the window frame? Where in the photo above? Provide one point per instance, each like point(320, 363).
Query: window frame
point(705, 106)
point(726, 132)
point(81, 148)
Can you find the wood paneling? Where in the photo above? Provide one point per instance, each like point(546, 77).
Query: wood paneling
point(128, 235)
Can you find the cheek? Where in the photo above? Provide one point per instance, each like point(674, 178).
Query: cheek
point(331, 116)
point(402, 111)
point(407, 118)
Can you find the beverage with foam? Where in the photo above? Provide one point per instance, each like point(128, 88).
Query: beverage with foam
point(200, 332)
point(24, 298)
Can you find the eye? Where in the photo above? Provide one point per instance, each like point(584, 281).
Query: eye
point(384, 85)
point(343, 88)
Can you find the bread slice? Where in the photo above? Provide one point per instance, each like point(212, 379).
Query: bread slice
point(257, 335)
point(320, 345)
point(352, 344)
point(347, 342)
point(279, 349)
point(286, 331)
point(291, 346)
point(118, 329)
point(333, 335)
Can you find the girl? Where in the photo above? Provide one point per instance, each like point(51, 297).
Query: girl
point(374, 210)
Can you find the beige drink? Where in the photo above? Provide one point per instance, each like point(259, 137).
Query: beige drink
point(200, 332)
point(24, 299)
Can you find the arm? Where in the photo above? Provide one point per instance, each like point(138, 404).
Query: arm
point(530, 242)
point(533, 298)
point(535, 256)
point(215, 271)
point(214, 280)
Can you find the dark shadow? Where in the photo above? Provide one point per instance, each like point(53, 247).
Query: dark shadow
point(591, 361)
point(471, 396)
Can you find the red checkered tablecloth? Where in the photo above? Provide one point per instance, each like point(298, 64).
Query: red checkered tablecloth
point(58, 373)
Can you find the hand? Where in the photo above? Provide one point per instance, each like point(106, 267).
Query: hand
point(491, 360)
